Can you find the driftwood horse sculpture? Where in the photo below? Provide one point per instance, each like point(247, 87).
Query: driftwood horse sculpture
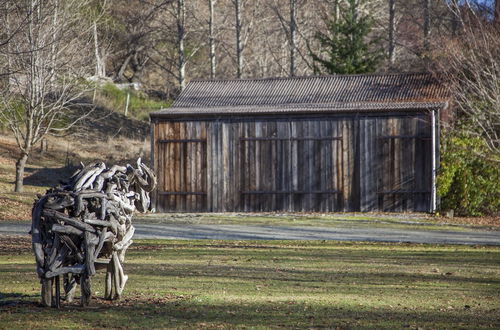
point(85, 224)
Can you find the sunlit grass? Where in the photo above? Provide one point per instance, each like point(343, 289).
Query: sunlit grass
point(342, 220)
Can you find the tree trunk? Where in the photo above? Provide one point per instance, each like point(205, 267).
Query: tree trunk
point(497, 12)
point(8, 32)
point(427, 24)
point(336, 11)
point(239, 43)
point(20, 164)
point(392, 28)
point(99, 66)
point(47, 292)
point(455, 20)
point(181, 14)
point(212, 39)
point(293, 28)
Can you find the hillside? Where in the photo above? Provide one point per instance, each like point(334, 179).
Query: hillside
point(106, 136)
point(102, 124)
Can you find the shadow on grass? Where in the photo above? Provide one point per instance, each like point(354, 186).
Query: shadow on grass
point(9, 299)
point(43, 177)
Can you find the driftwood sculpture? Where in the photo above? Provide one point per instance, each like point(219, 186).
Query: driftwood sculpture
point(84, 225)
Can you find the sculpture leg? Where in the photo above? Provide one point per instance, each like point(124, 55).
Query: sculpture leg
point(46, 292)
point(108, 291)
point(57, 297)
point(119, 277)
point(85, 290)
point(69, 287)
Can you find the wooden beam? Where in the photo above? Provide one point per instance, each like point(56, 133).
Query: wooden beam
point(420, 137)
point(181, 193)
point(305, 138)
point(264, 192)
point(182, 141)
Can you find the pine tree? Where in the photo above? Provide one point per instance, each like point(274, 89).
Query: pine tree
point(349, 46)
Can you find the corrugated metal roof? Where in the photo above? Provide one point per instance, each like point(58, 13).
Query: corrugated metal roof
point(316, 94)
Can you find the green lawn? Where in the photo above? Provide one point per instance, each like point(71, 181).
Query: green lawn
point(274, 284)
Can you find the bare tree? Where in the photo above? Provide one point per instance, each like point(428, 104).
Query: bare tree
point(472, 64)
point(47, 70)
point(211, 23)
point(427, 24)
point(239, 41)
point(133, 35)
point(181, 20)
point(293, 41)
point(392, 30)
point(289, 23)
point(178, 38)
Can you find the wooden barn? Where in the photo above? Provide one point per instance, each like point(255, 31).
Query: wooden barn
point(322, 143)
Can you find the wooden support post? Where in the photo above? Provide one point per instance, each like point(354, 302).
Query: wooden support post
point(108, 290)
point(57, 298)
point(46, 292)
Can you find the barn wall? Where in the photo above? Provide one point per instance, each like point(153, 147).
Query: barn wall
point(331, 163)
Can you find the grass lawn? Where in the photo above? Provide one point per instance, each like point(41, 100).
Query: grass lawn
point(409, 221)
point(272, 284)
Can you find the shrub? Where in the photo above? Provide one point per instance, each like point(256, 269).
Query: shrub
point(467, 183)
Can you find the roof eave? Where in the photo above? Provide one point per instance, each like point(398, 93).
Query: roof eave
point(175, 113)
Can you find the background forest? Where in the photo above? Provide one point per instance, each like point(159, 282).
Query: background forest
point(139, 54)
point(162, 44)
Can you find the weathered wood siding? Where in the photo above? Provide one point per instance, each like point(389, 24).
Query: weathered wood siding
point(331, 163)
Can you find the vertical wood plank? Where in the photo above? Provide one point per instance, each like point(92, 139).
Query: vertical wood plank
point(225, 166)
point(209, 166)
point(273, 171)
point(295, 166)
point(345, 165)
point(215, 166)
point(204, 164)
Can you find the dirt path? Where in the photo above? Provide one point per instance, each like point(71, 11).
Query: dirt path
point(263, 232)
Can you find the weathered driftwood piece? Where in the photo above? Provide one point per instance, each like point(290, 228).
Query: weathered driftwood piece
point(86, 225)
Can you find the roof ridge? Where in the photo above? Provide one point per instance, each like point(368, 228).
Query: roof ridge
point(376, 74)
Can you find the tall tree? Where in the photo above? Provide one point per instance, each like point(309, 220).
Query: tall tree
point(47, 70)
point(348, 43)
point(392, 30)
point(293, 32)
point(239, 37)
point(181, 35)
point(211, 22)
point(427, 24)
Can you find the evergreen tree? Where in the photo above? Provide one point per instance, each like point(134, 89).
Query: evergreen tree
point(347, 45)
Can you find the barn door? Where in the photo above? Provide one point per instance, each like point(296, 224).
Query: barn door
point(290, 166)
point(182, 183)
point(395, 164)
